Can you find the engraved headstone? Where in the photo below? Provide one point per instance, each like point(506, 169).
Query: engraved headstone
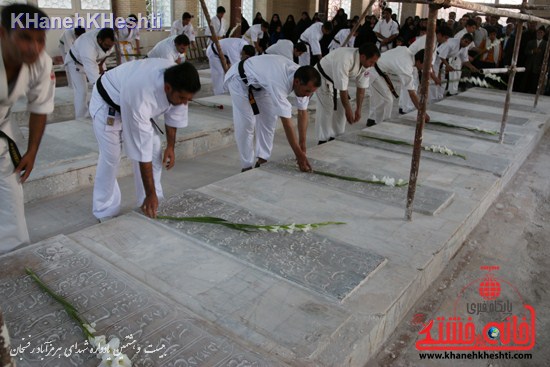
point(320, 264)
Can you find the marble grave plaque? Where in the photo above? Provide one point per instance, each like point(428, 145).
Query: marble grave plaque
point(120, 305)
point(484, 102)
point(509, 138)
point(483, 162)
point(476, 114)
point(327, 266)
point(428, 200)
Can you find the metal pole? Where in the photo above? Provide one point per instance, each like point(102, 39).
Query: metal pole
point(519, 31)
point(421, 117)
point(214, 37)
point(543, 74)
point(357, 25)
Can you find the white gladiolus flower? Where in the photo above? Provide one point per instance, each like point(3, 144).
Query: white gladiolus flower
point(98, 341)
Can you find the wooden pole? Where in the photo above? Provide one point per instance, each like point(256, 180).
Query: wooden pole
point(357, 25)
point(118, 57)
point(236, 11)
point(421, 117)
point(517, 41)
point(543, 74)
point(214, 37)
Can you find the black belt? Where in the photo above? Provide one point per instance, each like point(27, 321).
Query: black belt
point(217, 54)
point(74, 58)
point(251, 98)
point(334, 90)
point(12, 148)
point(335, 40)
point(387, 79)
point(308, 46)
point(103, 93)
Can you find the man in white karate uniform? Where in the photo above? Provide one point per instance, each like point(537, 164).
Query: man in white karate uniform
point(234, 50)
point(184, 26)
point(171, 48)
point(85, 60)
point(259, 88)
point(398, 61)
point(65, 43)
point(339, 39)
point(312, 37)
point(456, 62)
point(437, 90)
point(386, 31)
point(456, 49)
point(25, 69)
point(287, 49)
point(125, 101)
point(336, 69)
point(128, 39)
point(218, 23)
point(254, 34)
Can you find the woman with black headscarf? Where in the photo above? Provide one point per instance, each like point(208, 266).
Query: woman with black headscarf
point(303, 24)
point(289, 28)
point(275, 22)
point(258, 19)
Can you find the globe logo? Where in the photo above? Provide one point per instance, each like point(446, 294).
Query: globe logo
point(493, 333)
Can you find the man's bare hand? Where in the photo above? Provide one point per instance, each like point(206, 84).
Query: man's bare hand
point(357, 116)
point(303, 163)
point(24, 169)
point(169, 158)
point(150, 206)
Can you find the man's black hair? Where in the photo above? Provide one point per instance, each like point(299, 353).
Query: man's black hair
point(369, 50)
point(419, 56)
point(328, 26)
point(387, 9)
point(445, 31)
point(183, 77)
point(182, 39)
point(471, 22)
point(265, 25)
point(105, 33)
point(300, 47)
point(468, 36)
point(220, 9)
point(78, 31)
point(306, 74)
point(249, 50)
point(28, 12)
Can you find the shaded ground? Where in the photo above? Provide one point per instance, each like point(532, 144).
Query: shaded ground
point(513, 235)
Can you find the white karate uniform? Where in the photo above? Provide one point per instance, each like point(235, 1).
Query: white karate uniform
point(457, 57)
point(253, 34)
point(398, 61)
point(340, 65)
point(37, 82)
point(178, 28)
point(166, 49)
point(405, 101)
point(283, 48)
point(274, 74)
point(65, 43)
point(127, 40)
point(386, 29)
point(456, 63)
point(88, 52)
point(231, 47)
point(219, 25)
point(138, 88)
point(311, 37)
point(339, 38)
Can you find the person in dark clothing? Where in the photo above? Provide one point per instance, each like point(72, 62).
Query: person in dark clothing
point(244, 27)
point(276, 35)
point(275, 22)
point(289, 29)
point(408, 31)
point(303, 24)
point(365, 33)
point(258, 19)
point(534, 52)
point(340, 21)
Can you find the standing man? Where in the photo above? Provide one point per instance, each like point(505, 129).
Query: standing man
point(259, 88)
point(184, 26)
point(171, 48)
point(287, 49)
point(312, 37)
point(85, 60)
point(534, 53)
point(128, 39)
point(125, 100)
point(398, 61)
point(65, 43)
point(337, 68)
point(232, 49)
point(25, 69)
point(218, 23)
point(386, 31)
point(254, 34)
point(456, 49)
point(455, 62)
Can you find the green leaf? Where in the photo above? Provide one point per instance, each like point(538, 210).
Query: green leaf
point(473, 129)
point(391, 141)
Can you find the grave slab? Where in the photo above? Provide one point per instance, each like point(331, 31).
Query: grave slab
point(120, 305)
point(429, 200)
point(496, 165)
point(329, 267)
point(449, 109)
point(483, 101)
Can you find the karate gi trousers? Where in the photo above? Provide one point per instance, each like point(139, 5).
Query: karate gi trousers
point(405, 102)
point(106, 194)
point(13, 226)
point(216, 71)
point(80, 88)
point(329, 123)
point(250, 128)
point(454, 76)
point(381, 99)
